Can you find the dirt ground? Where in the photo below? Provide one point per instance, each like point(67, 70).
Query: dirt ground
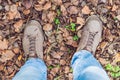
point(62, 22)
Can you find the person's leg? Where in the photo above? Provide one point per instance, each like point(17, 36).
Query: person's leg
point(34, 68)
point(85, 66)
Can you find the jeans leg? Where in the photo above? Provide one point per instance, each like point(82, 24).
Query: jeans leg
point(33, 69)
point(86, 67)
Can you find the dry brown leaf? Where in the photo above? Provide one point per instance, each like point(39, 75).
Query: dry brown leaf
point(94, 2)
point(27, 3)
point(47, 27)
point(62, 62)
point(38, 7)
point(13, 12)
point(51, 16)
point(67, 69)
point(75, 2)
point(63, 10)
point(6, 55)
point(18, 25)
point(20, 57)
point(72, 10)
point(115, 7)
point(41, 1)
point(16, 50)
point(57, 2)
point(71, 42)
point(47, 6)
point(3, 44)
point(86, 10)
point(26, 11)
point(103, 45)
point(117, 57)
point(80, 21)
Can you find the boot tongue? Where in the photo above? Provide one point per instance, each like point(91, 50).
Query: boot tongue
point(90, 41)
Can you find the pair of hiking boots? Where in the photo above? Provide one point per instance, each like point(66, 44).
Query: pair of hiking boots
point(33, 37)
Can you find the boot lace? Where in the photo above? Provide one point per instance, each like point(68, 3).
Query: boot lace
point(32, 47)
point(90, 41)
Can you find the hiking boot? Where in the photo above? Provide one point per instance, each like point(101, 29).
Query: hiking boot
point(33, 40)
point(91, 34)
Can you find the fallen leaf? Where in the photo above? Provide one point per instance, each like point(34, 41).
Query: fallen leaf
point(94, 2)
point(80, 21)
point(103, 45)
point(47, 27)
point(16, 50)
point(13, 12)
point(6, 55)
point(38, 7)
point(18, 25)
point(75, 2)
point(51, 16)
point(20, 57)
point(114, 8)
point(57, 2)
point(63, 10)
point(47, 6)
point(27, 3)
point(72, 10)
point(62, 62)
point(67, 69)
point(117, 57)
point(86, 10)
point(26, 11)
point(3, 44)
point(41, 1)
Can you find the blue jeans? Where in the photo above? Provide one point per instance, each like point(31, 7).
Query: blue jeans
point(85, 67)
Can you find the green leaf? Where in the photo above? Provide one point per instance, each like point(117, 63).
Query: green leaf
point(73, 26)
point(75, 38)
point(50, 67)
point(57, 21)
point(71, 70)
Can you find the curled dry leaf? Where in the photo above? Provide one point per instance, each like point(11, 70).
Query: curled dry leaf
point(13, 12)
point(6, 55)
point(41, 1)
point(18, 25)
point(63, 10)
point(57, 2)
point(86, 10)
point(27, 3)
point(51, 16)
point(115, 7)
point(26, 11)
point(94, 2)
point(75, 2)
point(67, 69)
point(47, 27)
point(38, 7)
point(47, 6)
point(3, 44)
point(80, 21)
point(117, 57)
point(72, 10)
